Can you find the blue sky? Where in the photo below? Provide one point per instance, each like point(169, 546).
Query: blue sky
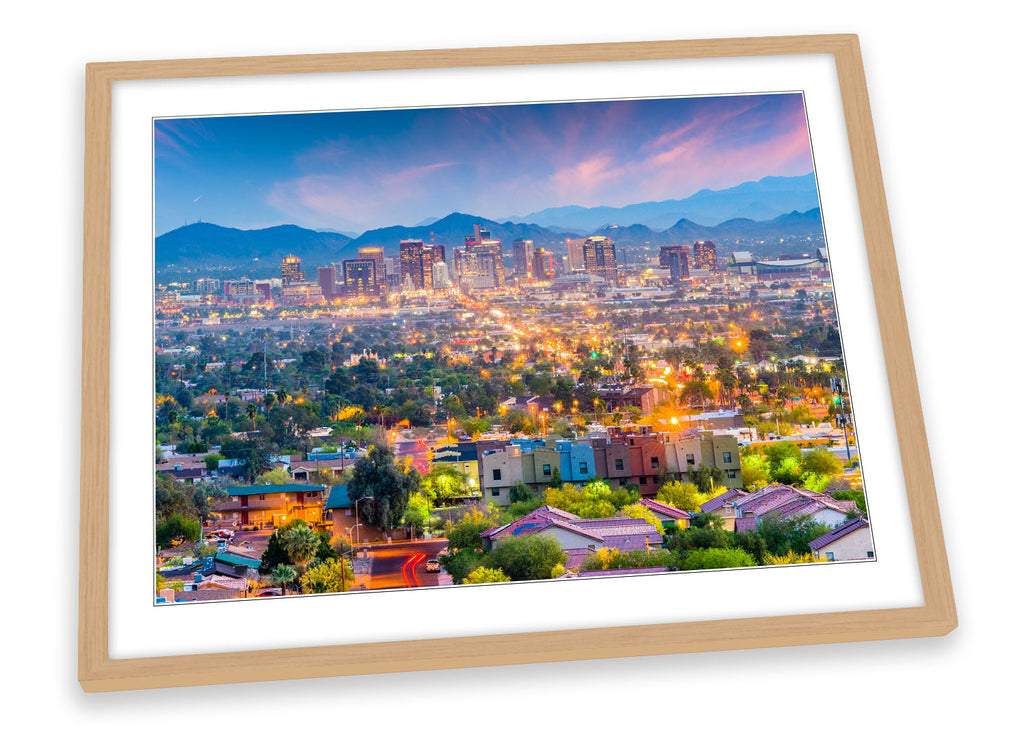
point(358, 170)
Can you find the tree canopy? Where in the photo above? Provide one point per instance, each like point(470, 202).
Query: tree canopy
point(377, 475)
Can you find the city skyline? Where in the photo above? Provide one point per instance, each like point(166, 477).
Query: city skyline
point(364, 169)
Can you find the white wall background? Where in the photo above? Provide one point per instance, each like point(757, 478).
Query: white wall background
point(942, 87)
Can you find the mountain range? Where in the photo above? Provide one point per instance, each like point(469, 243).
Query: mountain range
point(761, 200)
point(205, 245)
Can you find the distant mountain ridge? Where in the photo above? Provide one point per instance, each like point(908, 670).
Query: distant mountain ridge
point(761, 200)
point(205, 245)
point(208, 245)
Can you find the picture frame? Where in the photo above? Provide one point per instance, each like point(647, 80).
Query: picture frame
point(99, 671)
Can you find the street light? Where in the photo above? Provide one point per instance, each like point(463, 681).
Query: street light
point(356, 505)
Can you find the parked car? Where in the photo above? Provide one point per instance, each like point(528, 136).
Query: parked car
point(269, 592)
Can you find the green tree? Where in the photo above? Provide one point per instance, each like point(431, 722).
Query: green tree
point(377, 475)
point(681, 495)
point(639, 511)
point(707, 477)
point(212, 461)
point(711, 558)
point(486, 575)
point(274, 555)
point(460, 564)
point(696, 538)
point(417, 514)
point(301, 543)
point(257, 461)
point(822, 462)
point(328, 577)
point(274, 477)
point(753, 543)
point(520, 492)
point(444, 483)
point(529, 558)
point(177, 527)
point(790, 533)
point(282, 574)
point(465, 534)
point(754, 471)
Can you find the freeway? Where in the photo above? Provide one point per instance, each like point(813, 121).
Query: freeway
point(403, 564)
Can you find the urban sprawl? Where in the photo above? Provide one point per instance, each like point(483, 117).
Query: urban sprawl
point(480, 414)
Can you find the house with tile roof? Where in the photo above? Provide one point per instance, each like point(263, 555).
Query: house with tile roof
point(577, 536)
point(779, 501)
point(340, 514)
point(723, 506)
point(271, 505)
point(849, 541)
point(667, 513)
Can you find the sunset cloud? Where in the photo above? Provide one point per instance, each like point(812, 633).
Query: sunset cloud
point(368, 169)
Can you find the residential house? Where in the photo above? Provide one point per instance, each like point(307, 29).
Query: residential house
point(667, 513)
point(779, 501)
point(723, 506)
point(687, 451)
point(462, 456)
point(645, 398)
point(535, 463)
point(611, 460)
point(341, 514)
point(271, 505)
point(849, 541)
point(646, 456)
point(579, 537)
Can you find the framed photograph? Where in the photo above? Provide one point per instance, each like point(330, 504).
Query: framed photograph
point(437, 359)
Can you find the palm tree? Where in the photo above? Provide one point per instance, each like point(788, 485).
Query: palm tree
point(282, 574)
point(301, 544)
point(251, 411)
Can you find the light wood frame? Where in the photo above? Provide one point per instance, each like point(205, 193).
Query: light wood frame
point(98, 672)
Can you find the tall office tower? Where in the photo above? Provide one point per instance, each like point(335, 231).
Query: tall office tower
point(599, 258)
point(417, 260)
point(543, 265)
point(475, 268)
point(575, 248)
point(411, 255)
point(704, 256)
point(326, 277)
point(377, 254)
point(522, 258)
point(291, 270)
point(360, 278)
point(207, 285)
point(677, 260)
point(481, 242)
point(439, 271)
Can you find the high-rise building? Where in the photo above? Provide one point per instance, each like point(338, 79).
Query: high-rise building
point(543, 265)
point(704, 256)
point(522, 258)
point(360, 278)
point(327, 277)
point(481, 242)
point(475, 268)
point(377, 254)
point(417, 260)
point(205, 285)
point(575, 249)
point(599, 258)
point(677, 260)
point(439, 271)
point(291, 270)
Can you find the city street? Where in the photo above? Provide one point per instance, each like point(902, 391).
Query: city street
point(403, 565)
